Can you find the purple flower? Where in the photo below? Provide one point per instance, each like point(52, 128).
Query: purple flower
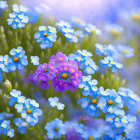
point(72, 135)
point(44, 85)
point(67, 76)
point(63, 73)
point(43, 73)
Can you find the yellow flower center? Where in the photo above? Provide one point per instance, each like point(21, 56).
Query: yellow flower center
point(110, 102)
point(78, 20)
point(90, 138)
point(45, 34)
point(56, 129)
point(94, 101)
point(125, 51)
point(16, 59)
point(64, 76)
point(45, 70)
point(93, 31)
point(29, 111)
point(135, 16)
point(114, 31)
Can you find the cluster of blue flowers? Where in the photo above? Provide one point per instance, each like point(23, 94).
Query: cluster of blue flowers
point(97, 101)
point(46, 35)
point(21, 125)
point(54, 102)
point(5, 124)
point(17, 60)
point(26, 107)
point(92, 29)
point(66, 29)
point(110, 62)
point(112, 54)
point(55, 129)
point(82, 57)
point(18, 18)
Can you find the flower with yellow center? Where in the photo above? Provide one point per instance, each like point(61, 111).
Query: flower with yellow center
point(93, 31)
point(114, 31)
point(135, 16)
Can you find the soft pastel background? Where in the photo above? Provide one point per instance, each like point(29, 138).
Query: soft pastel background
point(89, 10)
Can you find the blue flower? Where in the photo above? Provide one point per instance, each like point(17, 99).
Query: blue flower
point(90, 134)
point(29, 111)
point(3, 5)
point(127, 95)
point(91, 29)
point(126, 50)
point(60, 106)
point(79, 128)
point(84, 53)
point(82, 57)
point(99, 49)
point(112, 100)
point(67, 31)
point(110, 117)
point(33, 15)
point(26, 107)
point(105, 132)
point(14, 97)
point(62, 24)
point(106, 50)
point(84, 102)
point(134, 14)
point(109, 62)
point(114, 29)
point(55, 129)
point(18, 60)
point(1, 74)
point(18, 18)
point(94, 104)
point(91, 67)
point(53, 101)
point(10, 133)
point(35, 60)
point(46, 35)
point(120, 137)
point(79, 34)
point(4, 66)
point(4, 116)
point(21, 125)
point(4, 127)
point(88, 85)
point(71, 37)
point(77, 23)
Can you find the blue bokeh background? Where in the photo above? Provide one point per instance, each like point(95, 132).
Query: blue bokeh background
point(88, 10)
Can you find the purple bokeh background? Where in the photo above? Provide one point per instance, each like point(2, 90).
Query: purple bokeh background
point(89, 10)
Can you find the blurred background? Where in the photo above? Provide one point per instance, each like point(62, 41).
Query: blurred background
point(88, 10)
